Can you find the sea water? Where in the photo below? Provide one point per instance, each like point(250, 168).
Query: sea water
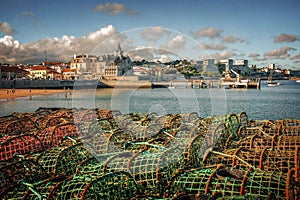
point(279, 102)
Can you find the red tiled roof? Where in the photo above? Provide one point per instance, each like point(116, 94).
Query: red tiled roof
point(14, 69)
point(39, 68)
point(53, 72)
point(52, 63)
point(66, 70)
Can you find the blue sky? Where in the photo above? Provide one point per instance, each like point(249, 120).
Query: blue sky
point(262, 31)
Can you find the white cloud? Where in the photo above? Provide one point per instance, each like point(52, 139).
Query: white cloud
point(281, 53)
point(57, 48)
point(110, 29)
point(285, 38)
point(232, 39)
point(207, 32)
point(153, 34)
point(254, 56)
point(295, 57)
point(222, 55)
point(175, 45)
point(163, 59)
point(9, 41)
point(115, 9)
point(212, 46)
point(29, 14)
point(5, 28)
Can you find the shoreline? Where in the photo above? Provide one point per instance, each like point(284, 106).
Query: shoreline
point(19, 93)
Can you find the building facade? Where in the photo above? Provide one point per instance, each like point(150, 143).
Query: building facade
point(98, 67)
point(39, 72)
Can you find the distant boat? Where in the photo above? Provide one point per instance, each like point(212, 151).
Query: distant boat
point(297, 81)
point(171, 86)
point(272, 83)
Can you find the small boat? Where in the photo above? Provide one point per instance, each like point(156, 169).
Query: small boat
point(171, 86)
point(273, 83)
point(297, 81)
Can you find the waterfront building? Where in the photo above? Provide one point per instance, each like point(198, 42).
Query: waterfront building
point(67, 74)
point(241, 67)
point(208, 65)
point(12, 72)
point(271, 66)
point(226, 64)
point(98, 67)
point(39, 72)
point(54, 75)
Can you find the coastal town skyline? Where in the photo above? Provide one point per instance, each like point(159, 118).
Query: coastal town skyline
point(260, 31)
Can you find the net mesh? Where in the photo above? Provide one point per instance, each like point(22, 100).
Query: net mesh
point(99, 154)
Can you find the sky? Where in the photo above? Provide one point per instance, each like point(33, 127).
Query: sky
point(261, 31)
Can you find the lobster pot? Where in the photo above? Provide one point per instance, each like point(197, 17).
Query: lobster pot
point(34, 190)
point(119, 185)
point(172, 122)
point(191, 150)
point(291, 130)
point(63, 160)
point(245, 132)
point(282, 160)
point(84, 128)
point(19, 169)
point(93, 127)
point(152, 170)
point(89, 115)
point(57, 120)
point(243, 119)
point(20, 126)
point(232, 124)
point(117, 163)
point(138, 132)
point(265, 185)
point(212, 139)
point(105, 114)
point(270, 123)
point(118, 141)
point(189, 117)
point(291, 123)
point(153, 132)
point(97, 144)
point(289, 141)
point(19, 144)
point(43, 189)
point(80, 114)
point(62, 131)
point(190, 182)
point(255, 142)
point(92, 167)
point(45, 136)
point(240, 158)
point(5, 122)
point(104, 124)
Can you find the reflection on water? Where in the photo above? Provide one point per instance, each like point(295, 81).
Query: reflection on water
point(268, 103)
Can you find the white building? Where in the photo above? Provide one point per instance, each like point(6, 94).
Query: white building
point(226, 63)
point(208, 65)
point(271, 66)
point(240, 63)
point(98, 67)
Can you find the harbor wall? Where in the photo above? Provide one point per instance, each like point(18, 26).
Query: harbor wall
point(121, 82)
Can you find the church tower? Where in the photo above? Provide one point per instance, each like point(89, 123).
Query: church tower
point(119, 52)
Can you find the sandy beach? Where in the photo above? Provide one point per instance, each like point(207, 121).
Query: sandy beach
point(17, 93)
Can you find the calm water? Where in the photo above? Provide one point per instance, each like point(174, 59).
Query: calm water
point(268, 103)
